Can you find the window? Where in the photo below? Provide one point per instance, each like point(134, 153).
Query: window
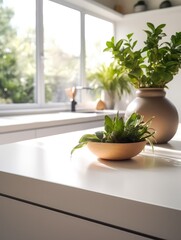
point(61, 50)
point(45, 48)
point(97, 32)
point(17, 51)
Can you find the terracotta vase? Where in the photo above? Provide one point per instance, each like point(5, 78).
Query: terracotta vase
point(151, 102)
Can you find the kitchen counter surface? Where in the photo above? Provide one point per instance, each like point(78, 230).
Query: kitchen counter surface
point(142, 195)
point(24, 127)
point(33, 121)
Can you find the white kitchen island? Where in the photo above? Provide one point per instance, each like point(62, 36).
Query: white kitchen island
point(46, 195)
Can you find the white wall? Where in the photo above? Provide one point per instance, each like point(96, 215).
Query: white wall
point(137, 22)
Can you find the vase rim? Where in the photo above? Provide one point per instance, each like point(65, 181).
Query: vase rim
point(151, 92)
point(150, 89)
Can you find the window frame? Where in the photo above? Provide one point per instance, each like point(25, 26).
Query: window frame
point(40, 105)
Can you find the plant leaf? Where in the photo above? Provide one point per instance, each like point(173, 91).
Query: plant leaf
point(89, 137)
point(80, 145)
point(108, 124)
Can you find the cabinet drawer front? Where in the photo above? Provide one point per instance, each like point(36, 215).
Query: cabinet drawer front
point(25, 221)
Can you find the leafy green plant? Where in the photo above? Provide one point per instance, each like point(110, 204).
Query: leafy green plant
point(111, 79)
point(155, 64)
point(118, 130)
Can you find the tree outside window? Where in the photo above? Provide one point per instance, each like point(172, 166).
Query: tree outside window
point(16, 82)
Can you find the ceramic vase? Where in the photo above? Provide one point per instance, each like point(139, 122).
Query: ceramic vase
point(151, 102)
point(165, 4)
point(140, 6)
point(108, 98)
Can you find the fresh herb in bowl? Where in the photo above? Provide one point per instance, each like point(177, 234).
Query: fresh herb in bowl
point(120, 130)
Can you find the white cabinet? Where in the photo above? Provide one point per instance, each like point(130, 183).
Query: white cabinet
point(25, 221)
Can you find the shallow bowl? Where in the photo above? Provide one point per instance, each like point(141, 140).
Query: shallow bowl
point(116, 151)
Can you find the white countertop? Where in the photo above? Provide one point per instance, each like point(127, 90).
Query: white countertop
point(34, 121)
point(142, 194)
point(30, 126)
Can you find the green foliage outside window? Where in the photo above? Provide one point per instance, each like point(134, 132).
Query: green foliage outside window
point(14, 88)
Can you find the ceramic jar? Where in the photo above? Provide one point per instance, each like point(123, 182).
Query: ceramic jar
point(151, 102)
point(165, 4)
point(140, 6)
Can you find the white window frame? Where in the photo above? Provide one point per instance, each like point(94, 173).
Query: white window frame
point(84, 7)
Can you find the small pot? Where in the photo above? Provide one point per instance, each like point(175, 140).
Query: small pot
point(140, 6)
point(165, 4)
point(116, 151)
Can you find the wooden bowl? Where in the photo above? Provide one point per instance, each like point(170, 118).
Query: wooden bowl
point(116, 151)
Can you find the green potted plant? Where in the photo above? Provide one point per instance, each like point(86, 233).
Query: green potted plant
point(111, 80)
point(120, 139)
point(149, 69)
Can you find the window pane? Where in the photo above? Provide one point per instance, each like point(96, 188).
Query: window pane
point(17, 51)
point(61, 50)
point(97, 32)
